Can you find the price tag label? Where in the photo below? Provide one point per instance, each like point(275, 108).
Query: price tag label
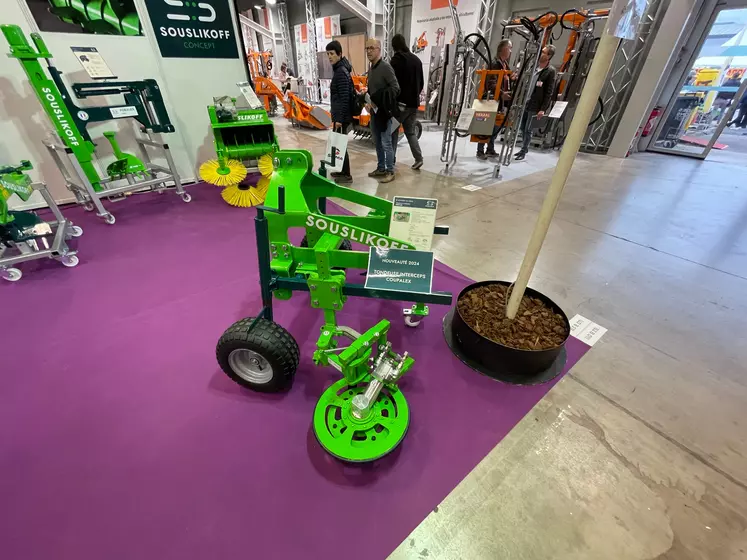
point(400, 270)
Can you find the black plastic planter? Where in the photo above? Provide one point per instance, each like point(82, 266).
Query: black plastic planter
point(510, 365)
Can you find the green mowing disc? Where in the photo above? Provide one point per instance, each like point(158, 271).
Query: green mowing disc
point(351, 439)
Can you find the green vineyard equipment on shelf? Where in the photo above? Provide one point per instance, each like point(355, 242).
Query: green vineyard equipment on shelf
point(25, 236)
point(142, 101)
point(364, 415)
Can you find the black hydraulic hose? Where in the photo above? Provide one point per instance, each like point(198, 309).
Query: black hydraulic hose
point(571, 11)
point(480, 38)
point(601, 111)
point(557, 144)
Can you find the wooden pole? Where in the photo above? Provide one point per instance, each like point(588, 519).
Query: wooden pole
point(589, 95)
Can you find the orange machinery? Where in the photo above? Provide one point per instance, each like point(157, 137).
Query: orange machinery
point(501, 77)
point(294, 108)
point(420, 44)
point(571, 20)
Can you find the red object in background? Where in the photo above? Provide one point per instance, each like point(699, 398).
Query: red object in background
point(655, 113)
point(304, 33)
point(328, 27)
point(436, 4)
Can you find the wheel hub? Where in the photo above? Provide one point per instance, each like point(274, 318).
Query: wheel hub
point(360, 439)
point(250, 366)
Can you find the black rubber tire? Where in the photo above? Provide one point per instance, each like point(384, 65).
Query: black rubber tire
point(346, 245)
point(271, 341)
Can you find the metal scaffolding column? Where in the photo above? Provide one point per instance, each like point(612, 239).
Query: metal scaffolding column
point(287, 41)
point(626, 66)
point(311, 14)
point(389, 6)
point(484, 28)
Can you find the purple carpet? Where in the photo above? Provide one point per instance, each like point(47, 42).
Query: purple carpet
point(121, 439)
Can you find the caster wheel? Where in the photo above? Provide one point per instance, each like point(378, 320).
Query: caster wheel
point(12, 274)
point(76, 231)
point(70, 261)
point(412, 320)
point(88, 207)
point(186, 197)
point(110, 219)
point(263, 358)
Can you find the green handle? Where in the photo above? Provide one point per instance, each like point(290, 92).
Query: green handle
point(112, 137)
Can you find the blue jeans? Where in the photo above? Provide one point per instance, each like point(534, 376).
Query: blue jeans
point(384, 146)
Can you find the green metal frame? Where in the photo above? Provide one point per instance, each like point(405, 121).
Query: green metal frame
point(144, 97)
point(240, 133)
point(297, 199)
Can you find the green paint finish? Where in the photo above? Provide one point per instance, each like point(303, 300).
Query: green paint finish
point(13, 180)
point(239, 133)
point(125, 163)
point(352, 439)
point(101, 17)
point(50, 98)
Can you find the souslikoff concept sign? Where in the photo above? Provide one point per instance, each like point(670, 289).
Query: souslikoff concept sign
point(185, 29)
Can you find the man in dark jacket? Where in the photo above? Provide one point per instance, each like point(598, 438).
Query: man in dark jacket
point(540, 99)
point(341, 93)
point(383, 91)
point(409, 72)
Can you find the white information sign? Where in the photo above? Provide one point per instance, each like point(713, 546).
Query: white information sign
point(121, 112)
point(586, 331)
point(557, 109)
point(93, 63)
point(249, 95)
point(413, 220)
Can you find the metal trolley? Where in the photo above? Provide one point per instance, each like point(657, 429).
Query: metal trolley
point(37, 239)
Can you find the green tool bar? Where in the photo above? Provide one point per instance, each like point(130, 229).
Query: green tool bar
point(358, 290)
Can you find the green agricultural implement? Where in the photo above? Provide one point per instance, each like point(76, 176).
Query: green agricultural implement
point(241, 135)
point(24, 235)
point(142, 101)
point(364, 415)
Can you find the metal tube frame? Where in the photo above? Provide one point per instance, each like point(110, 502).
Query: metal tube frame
point(84, 192)
point(62, 228)
point(311, 13)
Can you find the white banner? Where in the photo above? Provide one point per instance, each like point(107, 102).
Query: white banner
point(326, 28)
point(432, 27)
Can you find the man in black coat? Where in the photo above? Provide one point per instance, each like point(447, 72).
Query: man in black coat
point(542, 88)
point(409, 72)
point(341, 92)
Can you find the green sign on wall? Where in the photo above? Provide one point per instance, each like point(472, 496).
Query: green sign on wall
point(185, 29)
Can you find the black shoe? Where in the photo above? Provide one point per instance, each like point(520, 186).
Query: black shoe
point(491, 153)
point(417, 165)
point(481, 155)
point(521, 154)
point(377, 173)
point(343, 179)
point(335, 174)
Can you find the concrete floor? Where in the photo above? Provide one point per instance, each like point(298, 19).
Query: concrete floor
point(641, 452)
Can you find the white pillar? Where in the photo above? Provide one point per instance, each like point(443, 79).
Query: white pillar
point(659, 61)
